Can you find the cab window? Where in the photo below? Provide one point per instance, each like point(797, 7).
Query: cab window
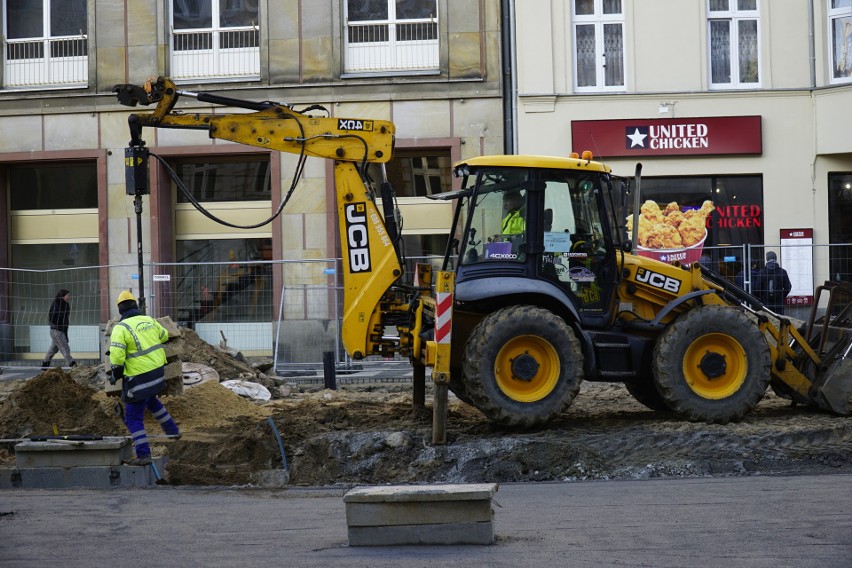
point(497, 217)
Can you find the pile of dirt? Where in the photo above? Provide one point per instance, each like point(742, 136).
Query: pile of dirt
point(230, 365)
point(54, 402)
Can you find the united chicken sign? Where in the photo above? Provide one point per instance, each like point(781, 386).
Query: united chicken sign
point(668, 137)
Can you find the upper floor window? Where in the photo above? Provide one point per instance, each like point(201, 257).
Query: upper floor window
point(840, 32)
point(599, 45)
point(391, 35)
point(46, 43)
point(734, 33)
point(215, 39)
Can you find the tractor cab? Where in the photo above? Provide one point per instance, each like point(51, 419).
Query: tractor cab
point(532, 225)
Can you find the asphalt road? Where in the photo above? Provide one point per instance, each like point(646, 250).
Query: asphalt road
point(771, 522)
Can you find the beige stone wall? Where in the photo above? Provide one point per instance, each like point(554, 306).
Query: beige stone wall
point(301, 64)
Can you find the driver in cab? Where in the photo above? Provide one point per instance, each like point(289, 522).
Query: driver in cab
point(513, 221)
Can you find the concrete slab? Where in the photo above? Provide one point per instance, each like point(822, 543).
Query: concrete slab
point(420, 514)
point(417, 513)
point(96, 477)
point(409, 493)
point(110, 451)
point(439, 534)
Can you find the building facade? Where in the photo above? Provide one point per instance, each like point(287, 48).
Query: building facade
point(430, 66)
point(744, 103)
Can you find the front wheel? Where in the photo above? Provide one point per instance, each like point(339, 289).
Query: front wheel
point(523, 366)
point(712, 364)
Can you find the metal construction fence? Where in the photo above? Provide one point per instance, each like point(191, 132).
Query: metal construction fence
point(289, 310)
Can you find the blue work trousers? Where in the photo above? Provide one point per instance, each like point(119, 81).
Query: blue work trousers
point(134, 414)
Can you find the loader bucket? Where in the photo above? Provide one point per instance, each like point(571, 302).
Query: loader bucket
point(835, 390)
point(832, 338)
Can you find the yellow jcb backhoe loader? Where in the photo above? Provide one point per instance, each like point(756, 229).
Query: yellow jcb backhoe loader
point(533, 300)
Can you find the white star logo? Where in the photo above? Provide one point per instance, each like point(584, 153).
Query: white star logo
point(637, 139)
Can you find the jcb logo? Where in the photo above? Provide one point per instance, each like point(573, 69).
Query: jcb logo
point(352, 124)
point(357, 237)
point(658, 280)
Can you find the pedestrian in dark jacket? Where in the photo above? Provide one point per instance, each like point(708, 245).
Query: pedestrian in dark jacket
point(58, 316)
point(773, 284)
point(754, 277)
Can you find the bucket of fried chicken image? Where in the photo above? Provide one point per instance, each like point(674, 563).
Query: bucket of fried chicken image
point(673, 234)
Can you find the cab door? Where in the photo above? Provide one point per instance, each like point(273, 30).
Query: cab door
point(578, 254)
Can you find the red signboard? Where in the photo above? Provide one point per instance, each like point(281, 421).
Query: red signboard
point(668, 136)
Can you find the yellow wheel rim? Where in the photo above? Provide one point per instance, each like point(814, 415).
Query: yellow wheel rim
point(527, 368)
point(715, 366)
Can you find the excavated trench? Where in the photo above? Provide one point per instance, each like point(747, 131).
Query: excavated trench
point(371, 434)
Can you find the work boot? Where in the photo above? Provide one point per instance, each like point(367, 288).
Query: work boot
point(144, 460)
point(45, 365)
point(73, 364)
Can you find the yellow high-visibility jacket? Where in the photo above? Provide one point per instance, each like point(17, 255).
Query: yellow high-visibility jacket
point(137, 343)
point(513, 223)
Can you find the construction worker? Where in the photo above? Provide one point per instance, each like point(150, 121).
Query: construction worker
point(513, 222)
point(136, 355)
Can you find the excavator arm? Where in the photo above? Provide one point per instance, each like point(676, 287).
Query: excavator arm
point(371, 261)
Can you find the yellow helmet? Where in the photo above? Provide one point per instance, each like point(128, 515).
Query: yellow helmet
point(124, 296)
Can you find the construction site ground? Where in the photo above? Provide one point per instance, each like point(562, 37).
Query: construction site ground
point(368, 432)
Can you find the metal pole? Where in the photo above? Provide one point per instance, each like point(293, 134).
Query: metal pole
point(419, 377)
point(637, 207)
point(328, 370)
point(137, 202)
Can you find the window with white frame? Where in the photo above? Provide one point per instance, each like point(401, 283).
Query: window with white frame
point(734, 36)
point(598, 45)
point(46, 43)
point(215, 39)
point(391, 35)
point(840, 34)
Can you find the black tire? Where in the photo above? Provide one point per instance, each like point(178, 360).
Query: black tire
point(523, 366)
point(712, 364)
point(646, 393)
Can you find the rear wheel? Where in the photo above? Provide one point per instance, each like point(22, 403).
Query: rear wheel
point(712, 364)
point(523, 366)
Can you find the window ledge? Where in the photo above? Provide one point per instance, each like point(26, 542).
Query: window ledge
point(40, 88)
point(389, 73)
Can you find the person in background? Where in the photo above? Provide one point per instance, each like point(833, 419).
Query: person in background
point(137, 356)
point(754, 274)
point(58, 315)
point(773, 284)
